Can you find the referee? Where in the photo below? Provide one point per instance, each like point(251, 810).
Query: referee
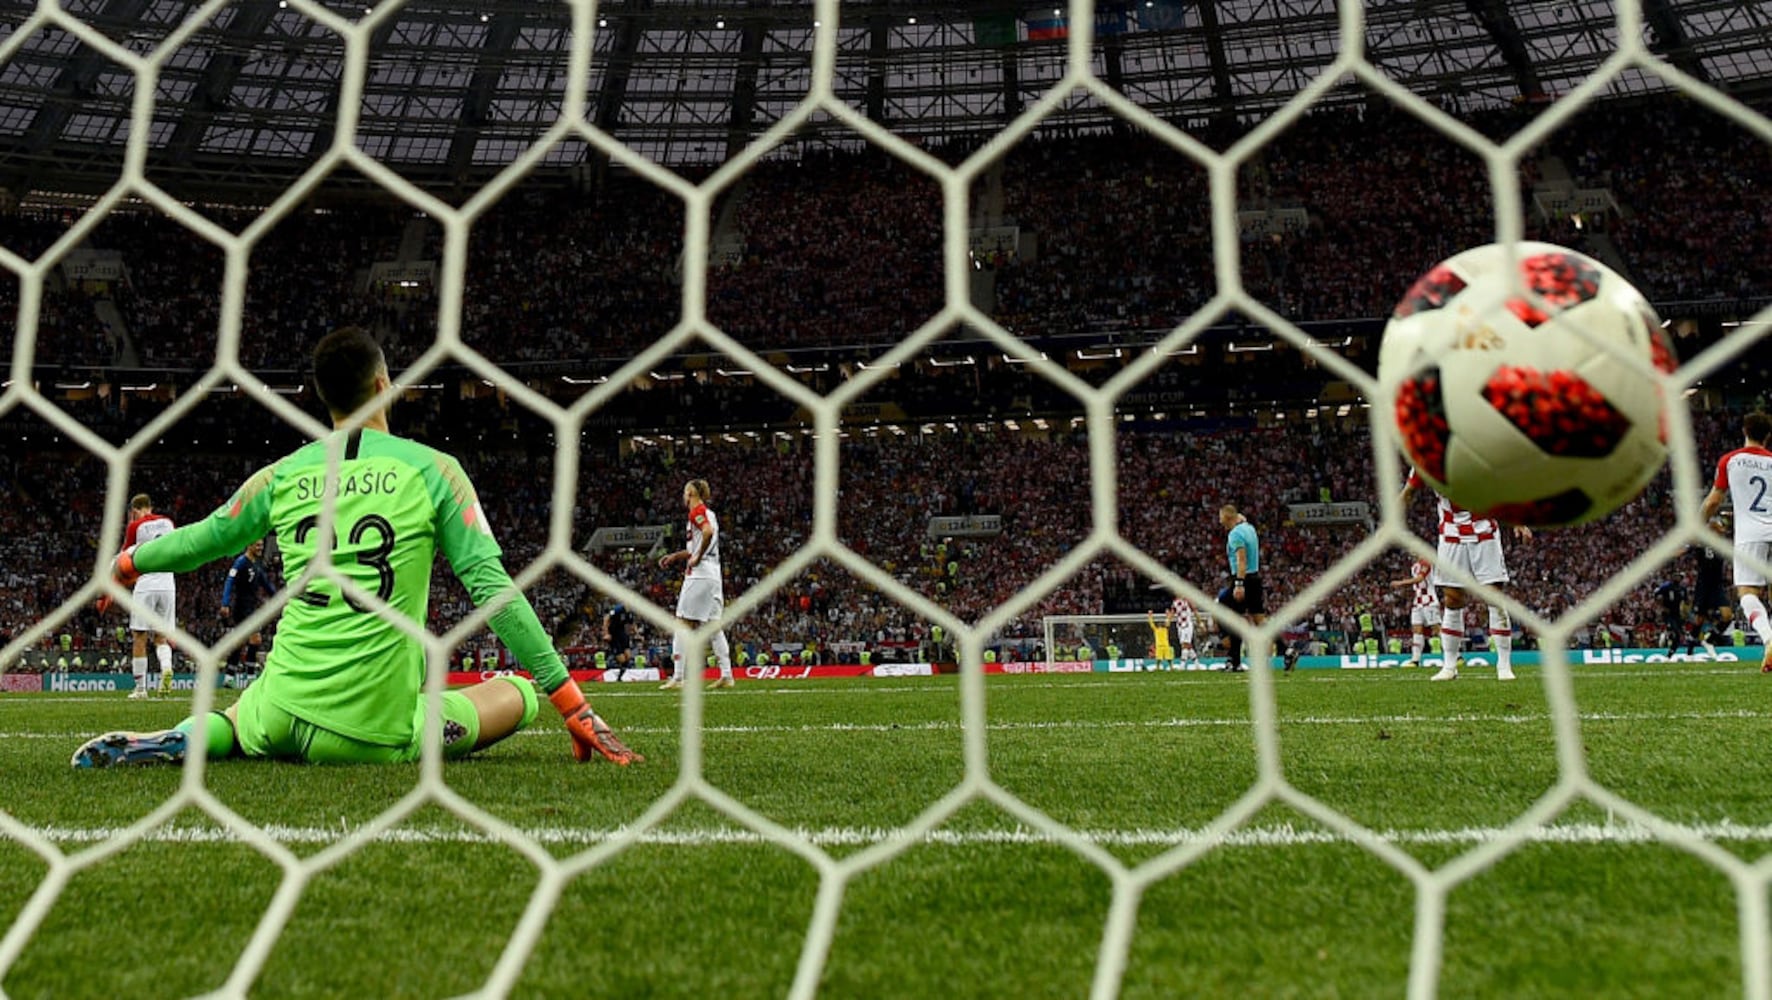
point(1243, 551)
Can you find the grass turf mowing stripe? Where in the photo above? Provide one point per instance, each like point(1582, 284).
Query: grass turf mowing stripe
point(1266, 836)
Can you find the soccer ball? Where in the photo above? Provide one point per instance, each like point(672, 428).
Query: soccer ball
point(1528, 412)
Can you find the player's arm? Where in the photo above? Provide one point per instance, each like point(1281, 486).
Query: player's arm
point(705, 527)
point(475, 557)
point(1408, 581)
point(246, 515)
point(1713, 502)
point(227, 601)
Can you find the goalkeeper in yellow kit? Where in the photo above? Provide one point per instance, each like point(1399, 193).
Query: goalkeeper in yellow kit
point(343, 684)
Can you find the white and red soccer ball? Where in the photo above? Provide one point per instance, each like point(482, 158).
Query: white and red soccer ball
point(1530, 412)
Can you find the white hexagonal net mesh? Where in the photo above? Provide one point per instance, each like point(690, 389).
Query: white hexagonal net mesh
point(1432, 886)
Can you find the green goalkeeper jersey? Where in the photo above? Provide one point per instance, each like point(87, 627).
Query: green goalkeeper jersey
point(335, 664)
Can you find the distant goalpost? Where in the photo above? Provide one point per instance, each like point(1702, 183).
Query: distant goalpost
point(1129, 635)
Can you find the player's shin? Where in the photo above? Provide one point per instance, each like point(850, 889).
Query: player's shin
point(1754, 610)
point(677, 655)
point(1501, 631)
point(723, 653)
point(1452, 634)
point(216, 731)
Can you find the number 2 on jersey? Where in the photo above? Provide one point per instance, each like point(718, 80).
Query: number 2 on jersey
point(375, 558)
point(1758, 506)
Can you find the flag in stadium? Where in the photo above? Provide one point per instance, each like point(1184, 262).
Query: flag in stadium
point(1047, 24)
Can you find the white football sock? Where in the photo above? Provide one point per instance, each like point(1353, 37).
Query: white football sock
point(139, 665)
point(1417, 645)
point(1755, 610)
point(1501, 629)
point(1452, 634)
point(723, 653)
point(677, 655)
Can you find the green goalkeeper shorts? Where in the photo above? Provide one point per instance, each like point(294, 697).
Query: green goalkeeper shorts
point(266, 730)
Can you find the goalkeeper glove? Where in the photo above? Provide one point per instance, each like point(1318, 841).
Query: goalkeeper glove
point(123, 571)
point(591, 736)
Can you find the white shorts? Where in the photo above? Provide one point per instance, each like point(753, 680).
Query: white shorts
point(700, 600)
point(1184, 636)
point(1745, 575)
point(1424, 615)
point(1482, 560)
point(160, 603)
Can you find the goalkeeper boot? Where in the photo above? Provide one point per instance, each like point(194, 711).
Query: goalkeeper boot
point(116, 749)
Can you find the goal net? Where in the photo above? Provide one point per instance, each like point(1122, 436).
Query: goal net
point(1127, 637)
point(836, 872)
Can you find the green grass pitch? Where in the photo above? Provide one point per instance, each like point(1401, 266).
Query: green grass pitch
point(985, 907)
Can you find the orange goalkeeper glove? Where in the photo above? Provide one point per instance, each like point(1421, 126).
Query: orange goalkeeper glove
point(591, 736)
point(123, 571)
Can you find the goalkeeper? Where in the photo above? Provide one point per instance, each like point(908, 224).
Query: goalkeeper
point(343, 683)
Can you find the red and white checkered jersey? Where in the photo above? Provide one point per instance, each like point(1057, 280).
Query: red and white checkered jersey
point(1458, 525)
point(1424, 587)
point(1182, 613)
point(145, 529)
point(1747, 474)
point(708, 565)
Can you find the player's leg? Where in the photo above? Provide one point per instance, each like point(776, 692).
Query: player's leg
point(1233, 640)
point(475, 718)
point(1501, 632)
point(217, 731)
point(1451, 631)
point(163, 654)
point(722, 658)
point(679, 641)
point(139, 630)
point(1750, 589)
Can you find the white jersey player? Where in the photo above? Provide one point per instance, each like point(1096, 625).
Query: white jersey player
point(1745, 477)
point(1181, 619)
point(1424, 607)
point(156, 599)
point(1473, 544)
point(703, 597)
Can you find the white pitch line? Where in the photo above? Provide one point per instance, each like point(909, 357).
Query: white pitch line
point(943, 726)
point(1012, 684)
point(1267, 836)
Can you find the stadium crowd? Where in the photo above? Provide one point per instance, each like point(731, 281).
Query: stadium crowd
point(1171, 483)
point(843, 248)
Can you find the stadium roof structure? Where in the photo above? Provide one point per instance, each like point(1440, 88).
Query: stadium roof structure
point(456, 90)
